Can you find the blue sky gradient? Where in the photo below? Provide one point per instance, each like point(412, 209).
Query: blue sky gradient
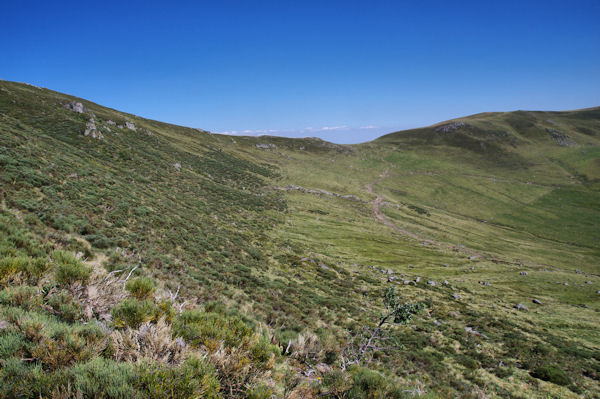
point(346, 71)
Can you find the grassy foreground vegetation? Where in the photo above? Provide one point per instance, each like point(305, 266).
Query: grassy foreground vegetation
point(162, 261)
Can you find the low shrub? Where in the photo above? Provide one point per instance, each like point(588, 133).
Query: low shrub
point(551, 374)
point(22, 296)
point(69, 269)
point(65, 306)
point(195, 378)
point(103, 378)
point(132, 313)
point(262, 352)
point(141, 287)
point(199, 327)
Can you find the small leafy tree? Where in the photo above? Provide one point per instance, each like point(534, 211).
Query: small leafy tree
point(361, 345)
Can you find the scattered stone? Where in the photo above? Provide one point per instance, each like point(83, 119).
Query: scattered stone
point(588, 282)
point(391, 278)
point(445, 265)
point(470, 330)
point(76, 107)
point(111, 122)
point(523, 273)
point(472, 257)
point(437, 323)
point(520, 306)
point(598, 292)
point(431, 283)
point(91, 130)
point(449, 127)
point(417, 279)
point(565, 283)
point(560, 138)
point(446, 282)
point(456, 296)
point(3, 325)
point(177, 166)
point(266, 146)
point(120, 126)
point(536, 301)
point(130, 126)
point(323, 266)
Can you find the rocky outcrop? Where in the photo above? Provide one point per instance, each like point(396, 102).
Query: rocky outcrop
point(266, 146)
point(560, 138)
point(449, 127)
point(76, 107)
point(130, 126)
point(92, 131)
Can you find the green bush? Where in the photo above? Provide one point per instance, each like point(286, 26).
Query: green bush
point(102, 378)
point(141, 287)
point(11, 344)
point(69, 269)
point(198, 327)
point(66, 307)
point(22, 296)
point(31, 268)
point(260, 391)
point(367, 384)
point(195, 378)
point(18, 380)
point(132, 313)
point(262, 352)
point(552, 374)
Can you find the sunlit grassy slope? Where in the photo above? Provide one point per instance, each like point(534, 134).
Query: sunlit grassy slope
point(295, 233)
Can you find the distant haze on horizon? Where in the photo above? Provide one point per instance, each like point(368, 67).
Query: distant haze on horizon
point(346, 72)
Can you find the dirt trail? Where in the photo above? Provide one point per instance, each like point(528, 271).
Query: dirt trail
point(386, 221)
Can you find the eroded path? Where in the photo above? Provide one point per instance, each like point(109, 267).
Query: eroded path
point(426, 241)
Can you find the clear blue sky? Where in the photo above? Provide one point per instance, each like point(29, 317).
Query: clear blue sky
point(346, 71)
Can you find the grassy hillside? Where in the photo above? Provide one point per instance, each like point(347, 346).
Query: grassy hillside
point(190, 264)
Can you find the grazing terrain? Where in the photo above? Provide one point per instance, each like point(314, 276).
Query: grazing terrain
point(143, 259)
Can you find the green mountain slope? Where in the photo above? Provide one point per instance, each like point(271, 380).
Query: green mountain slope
point(252, 260)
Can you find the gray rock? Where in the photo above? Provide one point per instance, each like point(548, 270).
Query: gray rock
point(588, 282)
point(449, 127)
point(91, 130)
point(536, 301)
point(110, 122)
point(391, 278)
point(560, 138)
point(417, 279)
point(177, 166)
point(390, 271)
point(431, 283)
point(324, 266)
point(130, 126)
point(523, 273)
point(406, 282)
point(266, 146)
point(76, 107)
point(472, 257)
point(446, 282)
point(520, 306)
point(456, 296)
point(470, 330)
point(3, 325)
